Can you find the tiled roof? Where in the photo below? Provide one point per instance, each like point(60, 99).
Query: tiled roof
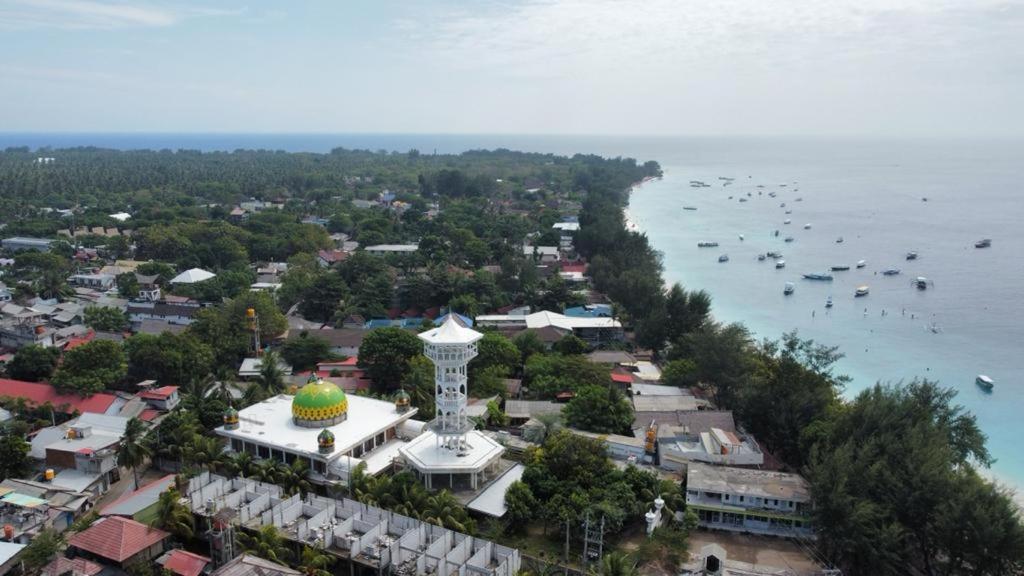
point(185, 563)
point(116, 538)
point(78, 567)
point(39, 393)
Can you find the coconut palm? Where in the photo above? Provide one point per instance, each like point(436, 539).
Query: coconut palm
point(173, 516)
point(265, 471)
point(266, 543)
point(133, 450)
point(443, 509)
point(615, 564)
point(270, 381)
point(293, 478)
point(204, 451)
point(315, 562)
point(238, 464)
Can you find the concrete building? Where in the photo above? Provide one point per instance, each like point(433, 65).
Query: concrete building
point(594, 330)
point(333, 431)
point(163, 398)
point(542, 254)
point(19, 243)
point(149, 290)
point(141, 504)
point(178, 313)
point(753, 501)
point(716, 446)
point(369, 539)
point(450, 450)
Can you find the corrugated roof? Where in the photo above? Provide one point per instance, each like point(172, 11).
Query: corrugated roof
point(134, 502)
point(39, 393)
point(492, 500)
point(76, 567)
point(185, 563)
point(249, 565)
point(116, 538)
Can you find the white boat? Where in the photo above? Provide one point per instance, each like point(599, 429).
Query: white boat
point(741, 237)
point(789, 289)
point(861, 291)
point(862, 263)
point(985, 382)
point(807, 226)
point(911, 255)
point(787, 221)
point(921, 283)
point(780, 263)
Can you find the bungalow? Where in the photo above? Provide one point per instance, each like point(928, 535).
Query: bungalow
point(327, 258)
point(184, 563)
point(180, 313)
point(40, 393)
point(94, 281)
point(542, 254)
point(163, 398)
point(149, 290)
point(120, 542)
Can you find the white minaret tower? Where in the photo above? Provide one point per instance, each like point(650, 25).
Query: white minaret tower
point(450, 347)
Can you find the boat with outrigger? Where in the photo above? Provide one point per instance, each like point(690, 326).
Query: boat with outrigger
point(707, 244)
point(819, 277)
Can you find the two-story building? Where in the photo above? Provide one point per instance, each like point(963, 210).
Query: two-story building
point(752, 501)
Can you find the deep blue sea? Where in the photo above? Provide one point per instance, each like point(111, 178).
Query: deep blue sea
point(969, 320)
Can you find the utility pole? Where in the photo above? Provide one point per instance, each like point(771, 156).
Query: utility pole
point(565, 562)
point(593, 540)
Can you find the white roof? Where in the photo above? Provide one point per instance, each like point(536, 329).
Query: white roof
point(75, 480)
point(542, 250)
point(657, 390)
point(392, 248)
point(121, 216)
point(663, 403)
point(547, 318)
point(251, 367)
point(451, 332)
point(8, 550)
point(568, 226)
point(492, 500)
point(425, 455)
point(269, 423)
point(192, 276)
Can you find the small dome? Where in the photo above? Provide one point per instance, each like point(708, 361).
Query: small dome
point(231, 418)
point(402, 401)
point(325, 440)
point(319, 402)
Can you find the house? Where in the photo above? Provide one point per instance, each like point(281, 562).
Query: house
point(183, 563)
point(250, 368)
point(40, 393)
point(8, 556)
point(594, 331)
point(120, 542)
point(327, 258)
point(522, 410)
point(663, 403)
point(677, 448)
point(192, 276)
point(157, 327)
point(94, 281)
point(86, 453)
point(180, 313)
point(542, 254)
point(149, 290)
point(141, 504)
point(249, 565)
point(343, 341)
point(62, 566)
point(750, 501)
point(163, 398)
point(19, 243)
point(619, 447)
point(386, 249)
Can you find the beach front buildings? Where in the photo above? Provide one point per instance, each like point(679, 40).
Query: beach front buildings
point(745, 500)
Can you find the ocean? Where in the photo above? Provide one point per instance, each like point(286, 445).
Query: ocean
point(871, 193)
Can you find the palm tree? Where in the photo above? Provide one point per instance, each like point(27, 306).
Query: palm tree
point(238, 464)
point(133, 450)
point(615, 564)
point(270, 381)
point(265, 471)
point(204, 451)
point(266, 543)
point(444, 510)
point(293, 478)
point(315, 562)
point(173, 516)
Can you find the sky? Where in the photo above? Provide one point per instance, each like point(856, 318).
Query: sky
point(643, 67)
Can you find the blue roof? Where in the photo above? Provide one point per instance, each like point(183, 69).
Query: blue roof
point(466, 320)
point(590, 311)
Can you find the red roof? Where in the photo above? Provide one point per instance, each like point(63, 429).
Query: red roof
point(78, 567)
point(116, 538)
point(162, 393)
point(185, 563)
point(622, 378)
point(39, 393)
point(76, 342)
point(581, 268)
point(148, 415)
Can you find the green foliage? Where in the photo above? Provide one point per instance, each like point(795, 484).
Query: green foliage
point(304, 352)
point(14, 460)
point(724, 357)
point(495, 417)
point(616, 564)
point(91, 367)
point(269, 382)
point(324, 295)
point(570, 345)
point(494, 350)
point(678, 373)
point(521, 505)
point(127, 285)
point(528, 344)
point(170, 359)
point(385, 354)
point(173, 516)
point(267, 542)
point(489, 382)
point(893, 480)
point(43, 548)
point(418, 382)
point(404, 493)
point(105, 319)
point(602, 409)
point(226, 329)
point(549, 374)
point(33, 363)
point(315, 562)
point(133, 449)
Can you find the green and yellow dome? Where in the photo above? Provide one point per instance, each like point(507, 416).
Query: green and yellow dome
point(319, 403)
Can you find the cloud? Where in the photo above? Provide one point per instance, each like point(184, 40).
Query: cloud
point(96, 14)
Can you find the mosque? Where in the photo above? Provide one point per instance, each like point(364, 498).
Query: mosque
point(335, 432)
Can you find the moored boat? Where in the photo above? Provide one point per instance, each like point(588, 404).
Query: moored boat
point(787, 221)
point(761, 257)
point(840, 268)
point(890, 272)
point(789, 289)
point(723, 258)
point(921, 283)
point(828, 302)
point(861, 291)
point(985, 382)
point(839, 240)
point(862, 263)
point(821, 277)
point(774, 254)
point(788, 239)
point(689, 207)
point(911, 255)
point(984, 243)
point(707, 244)
point(780, 263)
point(807, 226)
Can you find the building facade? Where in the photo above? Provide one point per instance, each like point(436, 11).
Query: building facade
point(751, 501)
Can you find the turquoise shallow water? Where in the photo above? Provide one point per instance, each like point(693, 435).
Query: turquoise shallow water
point(871, 195)
point(867, 191)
